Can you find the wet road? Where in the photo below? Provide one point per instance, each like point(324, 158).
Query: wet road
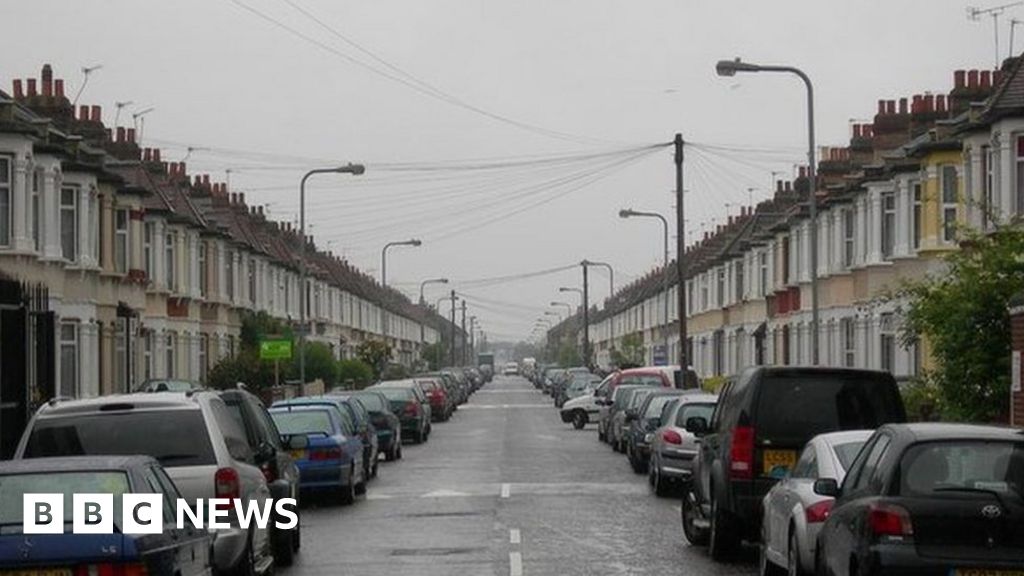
point(504, 489)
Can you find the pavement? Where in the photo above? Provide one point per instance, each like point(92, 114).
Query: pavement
point(504, 489)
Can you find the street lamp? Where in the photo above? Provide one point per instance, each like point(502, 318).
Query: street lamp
point(355, 170)
point(568, 307)
point(384, 278)
point(630, 213)
point(730, 68)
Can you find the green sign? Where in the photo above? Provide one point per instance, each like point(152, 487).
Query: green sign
point(275, 349)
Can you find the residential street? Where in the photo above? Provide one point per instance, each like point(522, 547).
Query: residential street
point(505, 488)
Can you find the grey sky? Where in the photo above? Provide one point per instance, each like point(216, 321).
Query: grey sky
point(627, 72)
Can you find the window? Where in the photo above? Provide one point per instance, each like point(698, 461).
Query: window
point(148, 343)
point(888, 224)
point(6, 193)
point(870, 465)
point(148, 234)
point(204, 354)
point(888, 342)
point(689, 298)
point(68, 359)
point(229, 275)
point(948, 183)
point(739, 281)
point(121, 354)
point(121, 241)
point(170, 345)
point(203, 276)
point(704, 293)
point(848, 341)
point(987, 183)
point(69, 223)
point(252, 281)
point(763, 264)
point(785, 261)
point(849, 225)
point(720, 292)
point(1019, 165)
point(169, 264)
point(36, 207)
point(916, 187)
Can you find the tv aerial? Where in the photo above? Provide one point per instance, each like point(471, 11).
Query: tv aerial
point(975, 14)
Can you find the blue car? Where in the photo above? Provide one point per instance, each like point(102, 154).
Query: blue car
point(333, 460)
point(354, 414)
point(174, 551)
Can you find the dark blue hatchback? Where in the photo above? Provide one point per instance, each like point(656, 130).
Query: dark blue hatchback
point(183, 551)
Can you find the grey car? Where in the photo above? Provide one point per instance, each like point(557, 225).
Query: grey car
point(793, 513)
point(672, 447)
point(628, 402)
point(192, 434)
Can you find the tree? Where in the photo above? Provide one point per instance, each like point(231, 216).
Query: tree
point(355, 370)
point(320, 364)
point(257, 326)
point(245, 367)
point(963, 314)
point(434, 355)
point(568, 355)
point(376, 354)
point(631, 353)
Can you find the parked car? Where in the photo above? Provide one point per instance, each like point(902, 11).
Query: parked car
point(794, 513)
point(673, 449)
point(166, 385)
point(274, 459)
point(387, 425)
point(175, 551)
point(510, 369)
point(943, 499)
point(627, 403)
point(193, 435)
point(581, 386)
point(332, 462)
point(583, 409)
point(411, 406)
point(630, 377)
point(461, 382)
point(360, 420)
point(763, 418)
point(644, 419)
point(440, 408)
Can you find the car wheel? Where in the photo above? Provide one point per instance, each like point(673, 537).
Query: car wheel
point(389, 456)
point(652, 469)
point(247, 563)
point(284, 548)
point(696, 536)
point(348, 490)
point(793, 566)
point(579, 420)
point(765, 567)
point(398, 453)
point(723, 538)
point(661, 485)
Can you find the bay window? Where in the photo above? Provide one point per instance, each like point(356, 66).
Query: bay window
point(69, 223)
point(121, 241)
point(948, 183)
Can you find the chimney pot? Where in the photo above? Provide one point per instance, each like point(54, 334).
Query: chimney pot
point(172, 168)
point(181, 168)
point(165, 166)
point(58, 88)
point(130, 135)
point(778, 185)
point(972, 79)
point(789, 186)
point(903, 105)
point(881, 107)
point(147, 154)
point(83, 113)
point(730, 220)
point(31, 87)
point(958, 78)
point(986, 79)
point(206, 181)
point(803, 172)
point(868, 130)
point(915, 107)
point(19, 92)
point(47, 81)
point(197, 182)
point(96, 115)
point(156, 154)
point(890, 107)
point(120, 134)
point(241, 198)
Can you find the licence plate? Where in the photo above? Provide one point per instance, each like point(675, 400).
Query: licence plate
point(39, 572)
point(984, 572)
point(298, 454)
point(776, 463)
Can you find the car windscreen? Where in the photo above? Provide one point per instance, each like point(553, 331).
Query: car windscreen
point(795, 407)
point(847, 452)
point(174, 437)
point(401, 394)
point(694, 410)
point(372, 402)
point(13, 488)
point(305, 421)
point(959, 466)
point(642, 380)
point(657, 404)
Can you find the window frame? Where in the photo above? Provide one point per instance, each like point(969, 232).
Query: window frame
point(74, 342)
point(74, 209)
point(887, 224)
point(949, 181)
point(122, 239)
point(170, 265)
point(6, 201)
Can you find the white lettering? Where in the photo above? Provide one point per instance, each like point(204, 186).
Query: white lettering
point(281, 506)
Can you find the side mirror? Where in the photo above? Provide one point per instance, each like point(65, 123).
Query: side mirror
point(265, 452)
point(697, 425)
point(295, 441)
point(826, 487)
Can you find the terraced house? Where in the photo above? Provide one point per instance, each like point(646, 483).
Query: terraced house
point(892, 202)
point(116, 266)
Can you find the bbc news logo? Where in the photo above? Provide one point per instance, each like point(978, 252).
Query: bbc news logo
point(144, 514)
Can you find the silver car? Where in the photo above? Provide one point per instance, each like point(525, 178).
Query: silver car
point(793, 513)
point(672, 447)
point(192, 434)
point(631, 399)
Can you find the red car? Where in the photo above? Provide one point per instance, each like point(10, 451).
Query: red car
point(440, 407)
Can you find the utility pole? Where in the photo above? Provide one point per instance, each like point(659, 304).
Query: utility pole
point(684, 361)
point(451, 353)
point(586, 319)
point(464, 332)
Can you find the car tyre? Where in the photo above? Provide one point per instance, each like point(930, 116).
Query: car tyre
point(765, 567)
point(247, 563)
point(723, 541)
point(793, 566)
point(639, 466)
point(696, 536)
point(347, 494)
point(579, 419)
point(284, 552)
point(601, 436)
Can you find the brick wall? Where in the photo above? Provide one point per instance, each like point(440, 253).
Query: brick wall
point(1017, 332)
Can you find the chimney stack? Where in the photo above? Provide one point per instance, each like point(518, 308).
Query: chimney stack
point(986, 79)
point(32, 87)
point(940, 102)
point(959, 78)
point(47, 81)
point(58, 88)
point(903, 106)
point(120, 134)
point(147, 154)
point(19, 92)
point(881, 107)
point(972, 79)
point(130, 135)
point(97, 114)
point(206, 181)
point(890, 107)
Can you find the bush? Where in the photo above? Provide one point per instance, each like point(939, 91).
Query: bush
point(245, 367)
point(357, 371)
point(394, 372)
point(923, 400)
point(713, 384)
point(320, 364)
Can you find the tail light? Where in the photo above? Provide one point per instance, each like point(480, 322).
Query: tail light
point(819, 512)
point(412, 409)
point(131, 569)
point(226, 484)
point(672, 437)
point(326, 454)
point(890, 522)
point(741, 453)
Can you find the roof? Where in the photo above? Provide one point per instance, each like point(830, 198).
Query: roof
point(929, 431)
point(1009, 95)
point(146, 400)
point(74, 463)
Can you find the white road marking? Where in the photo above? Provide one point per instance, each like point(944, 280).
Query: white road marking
point(506, 490)
point(515, 564)
point(444, 494)
point(514, 537)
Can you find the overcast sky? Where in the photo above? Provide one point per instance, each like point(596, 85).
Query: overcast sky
point(557, 95)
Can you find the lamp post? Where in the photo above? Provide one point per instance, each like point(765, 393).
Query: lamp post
point(568, 307)
point(586, 316)
point(730, 68)
point(384, 279)
point(630, 213)
point(611, 293)
point(355, 170)
point(555, 314)
point(424, 304)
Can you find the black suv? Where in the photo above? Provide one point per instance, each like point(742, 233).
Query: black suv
point(762, 420)
point(275, 460)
